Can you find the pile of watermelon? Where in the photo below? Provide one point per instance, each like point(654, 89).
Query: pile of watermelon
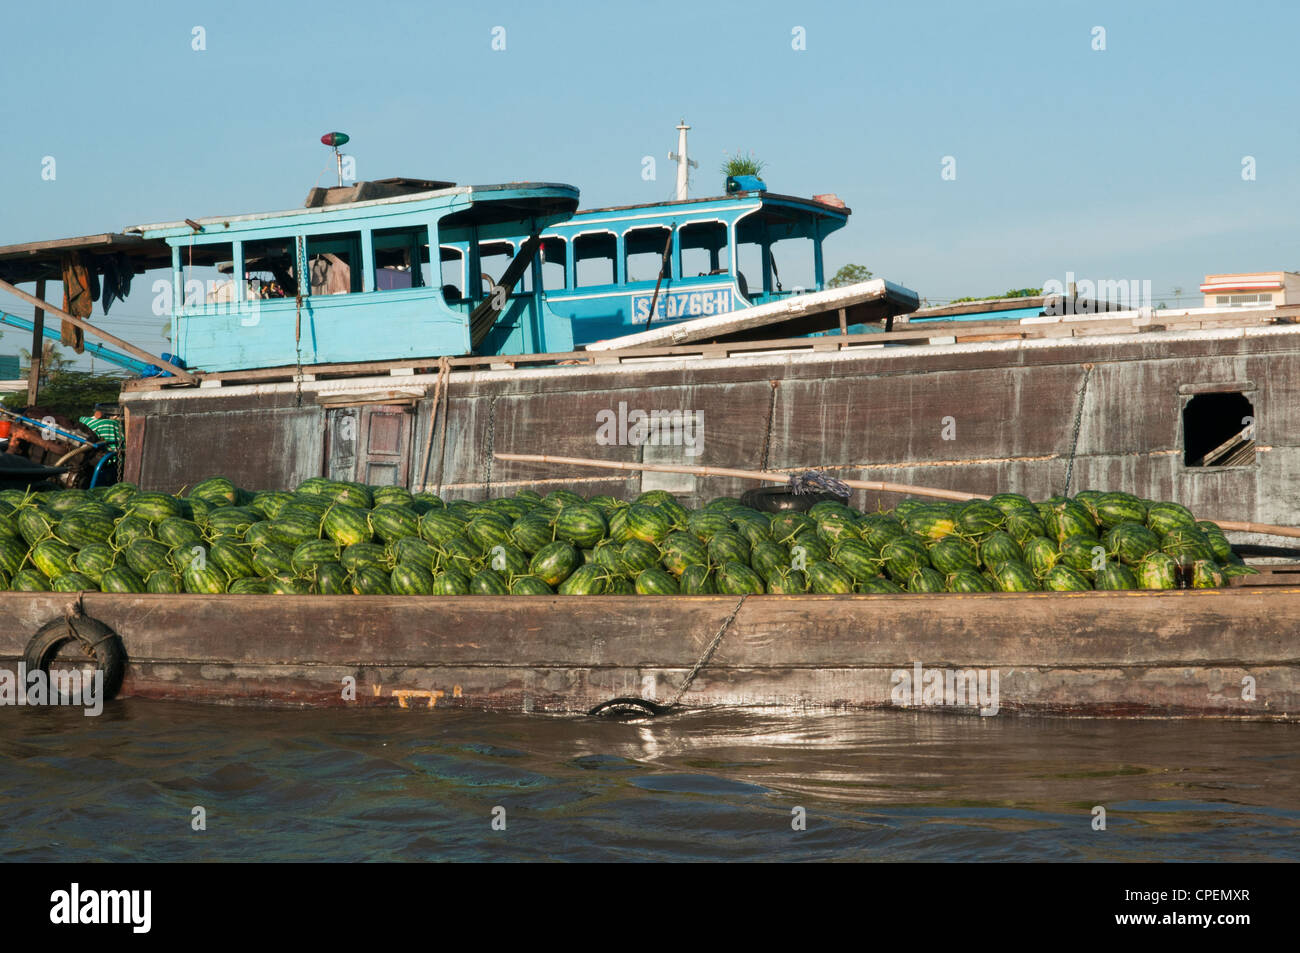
point(330, 537)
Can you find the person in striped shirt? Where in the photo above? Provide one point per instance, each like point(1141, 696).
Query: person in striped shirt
point(107, 429)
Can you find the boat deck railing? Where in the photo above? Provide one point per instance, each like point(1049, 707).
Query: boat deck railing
point(932, 333)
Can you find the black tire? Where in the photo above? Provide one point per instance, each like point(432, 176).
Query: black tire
point(108, 651)
point(779, 499)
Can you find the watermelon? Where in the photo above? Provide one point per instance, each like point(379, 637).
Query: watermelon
point(306, 556)
point(369, 579)
point(1069, 518)
point(554, 562)
point(655, 582)
point(1082, 553)
point(120, 579)
point(488, 530)
point(729, 546)
point(390, 521)
point(164, 581)
point(409, 580)
point(93, 560)
point(347, 524)
point(272, 560)
point(1116, 508)
point(234, 559)
point(735, 578)
point(439, 526)
point(268, 503)
point(529, 586)
point(34, 524)
point(968, 580)
point(952, 554)
point(289, 529)
point(1013, 575)
point(705, 524)
point(856, 558)
point(31, 580)
point(73, 582)
point(581, 524)
point(877, 585)
point(648, 523)
point(1065, 579)
point(681, 549)
point(207, 580)
point(416, 552)
point(787, 582)
point(216, 490)
point(931, 522)
point(1025, 524)
point(53, 558)
point(174, 532)
point(330, 579)
point(827, 577)
point(146, 555)
point(978, 518)
point(81, 528)
point(1040, 555)
point(1219, 545)
point(1164, 517)
point(926, 579)
point(360, 554)
point(787, 525)
point(999, 547)
point(1158, 571)
point(488, 582)
point(288, 586)
point(904, 556)
point(1131, 542)
point(249, 586)
point(1116, 575)
point(154, 507)
point(697, 580)
point(1010, 502)
point(450, 583)
point(531, 533)
point(1206, 575)
point(833, 527)
point(636, 555)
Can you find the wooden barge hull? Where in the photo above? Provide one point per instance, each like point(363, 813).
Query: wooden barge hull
point(1213, 653)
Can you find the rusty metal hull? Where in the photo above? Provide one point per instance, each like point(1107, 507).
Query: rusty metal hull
point(1214, 653)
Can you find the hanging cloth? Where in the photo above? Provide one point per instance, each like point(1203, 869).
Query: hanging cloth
point(77, 300)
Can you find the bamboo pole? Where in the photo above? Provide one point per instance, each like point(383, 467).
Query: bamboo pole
point(1263, 529)
point(99, 333)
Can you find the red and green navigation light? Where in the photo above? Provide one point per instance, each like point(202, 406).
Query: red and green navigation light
point(334, 139)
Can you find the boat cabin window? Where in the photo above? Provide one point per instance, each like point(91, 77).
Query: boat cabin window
point(594, 257)
point(493, 259)
point(453, 274)
point(643, 251)
point(208, 275)
point(269, 268)
point(704, 249)
point(1219, 430)
point(334, 263)
point(554, 258)
point(401, 258)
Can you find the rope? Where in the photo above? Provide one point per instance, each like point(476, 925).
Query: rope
point(1078, 419)
point(771, 415)
point(444, 365)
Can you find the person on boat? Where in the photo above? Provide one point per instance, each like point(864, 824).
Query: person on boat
point(109, 431)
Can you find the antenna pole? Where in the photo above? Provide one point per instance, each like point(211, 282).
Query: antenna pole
point(683, 160)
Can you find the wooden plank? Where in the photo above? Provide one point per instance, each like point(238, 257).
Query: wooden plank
point(1091, 653)
point(98, 332)
point(38, 347)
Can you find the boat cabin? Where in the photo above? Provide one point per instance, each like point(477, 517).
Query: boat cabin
point(350, 278)
point(610, 272)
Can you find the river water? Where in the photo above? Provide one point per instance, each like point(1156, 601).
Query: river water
point(718, 784)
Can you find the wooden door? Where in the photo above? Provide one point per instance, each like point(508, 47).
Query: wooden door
point(369, 443)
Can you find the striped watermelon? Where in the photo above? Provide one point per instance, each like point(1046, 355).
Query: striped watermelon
point(370, 580)
point(554, 562)
point(647, 523)
point(826, 578)
point(1158, 571)
point(392, 521)
point(999, 547)
point(164, 581)
point(488, 582)
point(408, 580)
point(1131, 542)
point(1065, 579)
point(450, 583)
point(697, 581)
point(654, 582)
point(81, 528)
point(234, 559)
point(30, 580)
point(681, 549)
point(249, 586)
point(93, 560)
point(581, 524)
point(735, 579)
point(53, 558)
point(306, 556)
point(787, 582)
point(205, 580)
point(121, 579)
point(347, 524)
point(146, 555)
point(73, 582)
point(729, 546)
point(877, 585)
point(329, 579)
point(1115, 576)
point(529, 586)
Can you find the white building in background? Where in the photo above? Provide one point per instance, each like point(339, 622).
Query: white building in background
point(1252, 290)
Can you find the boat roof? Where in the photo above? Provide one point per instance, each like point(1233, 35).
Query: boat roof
point(812, 204)
point(32, 261)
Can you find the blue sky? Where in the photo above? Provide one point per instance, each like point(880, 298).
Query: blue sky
point(1122, 163)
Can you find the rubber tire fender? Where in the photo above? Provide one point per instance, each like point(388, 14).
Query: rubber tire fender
point(108, 650)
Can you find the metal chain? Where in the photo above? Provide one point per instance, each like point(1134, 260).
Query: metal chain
point(1078, 419)
point(771, 415)
point(491, 442)
point(708, 653)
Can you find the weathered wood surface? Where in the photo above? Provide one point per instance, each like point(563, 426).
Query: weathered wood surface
point(1186, 653)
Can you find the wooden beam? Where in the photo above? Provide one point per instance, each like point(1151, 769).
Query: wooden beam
point(116, 341)
point(38, 347)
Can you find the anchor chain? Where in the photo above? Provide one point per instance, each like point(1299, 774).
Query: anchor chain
point(708, 653)
point(1078, 420)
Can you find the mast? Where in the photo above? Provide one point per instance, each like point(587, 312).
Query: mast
point(683, 160)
